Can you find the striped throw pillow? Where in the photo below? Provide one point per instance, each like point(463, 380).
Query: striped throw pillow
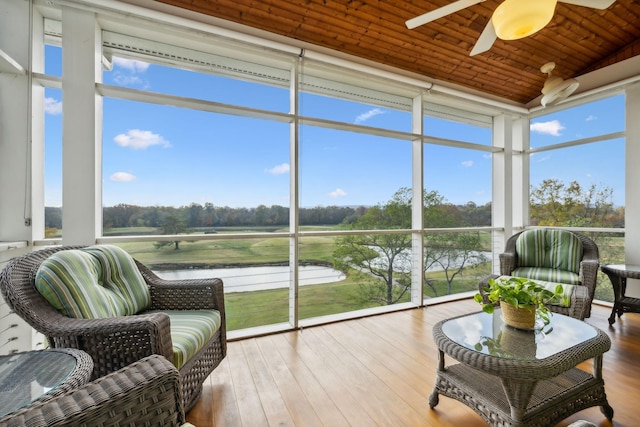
point(556, 249)
point(70, 281)
point(94, 282)
point(121, 275)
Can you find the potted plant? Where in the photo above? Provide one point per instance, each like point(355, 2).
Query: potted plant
point(520, 300)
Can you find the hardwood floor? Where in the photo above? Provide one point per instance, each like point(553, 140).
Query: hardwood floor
point(378, 371)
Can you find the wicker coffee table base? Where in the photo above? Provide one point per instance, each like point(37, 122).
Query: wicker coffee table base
point(552, 400)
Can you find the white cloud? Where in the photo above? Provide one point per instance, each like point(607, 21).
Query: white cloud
point(122, 177)
point(140, 139)
point(124, 80)
point(467, 163)
point(278, 169)
point(339, 192)
point(366, 116)
point(52, 106)
point(131, 65)
point(127, 72)
point(548, 128)
point(591, 117)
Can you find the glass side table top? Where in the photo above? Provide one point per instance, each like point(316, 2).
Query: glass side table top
point(25, 377)
point(487, 334)
point(623, 269)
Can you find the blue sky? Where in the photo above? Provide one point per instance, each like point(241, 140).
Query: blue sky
point(162, 155)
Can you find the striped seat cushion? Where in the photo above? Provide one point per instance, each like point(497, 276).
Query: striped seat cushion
point(547, 274)
point(190, 331)
point(551, 249)
point(91, 283)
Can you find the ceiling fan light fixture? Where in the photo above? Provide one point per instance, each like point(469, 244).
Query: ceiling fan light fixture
point(515, 19)
point(555, 88)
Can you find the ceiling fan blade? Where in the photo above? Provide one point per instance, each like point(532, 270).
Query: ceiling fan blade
point(595, 4)
point(440, 12)
point(486, 40)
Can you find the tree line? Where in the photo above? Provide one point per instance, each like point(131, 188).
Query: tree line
point(552, 203)
point(209, 216)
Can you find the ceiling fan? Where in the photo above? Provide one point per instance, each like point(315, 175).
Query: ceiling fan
point(556, 88)
point(512, 19)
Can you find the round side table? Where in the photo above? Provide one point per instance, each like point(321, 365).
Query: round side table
point(618, 274)
point(40, 375)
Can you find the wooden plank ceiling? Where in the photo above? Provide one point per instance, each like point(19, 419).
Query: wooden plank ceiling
point(578, 39)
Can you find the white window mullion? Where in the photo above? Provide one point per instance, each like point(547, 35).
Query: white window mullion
point(417, 214)
point(502, 177)
point(632, 202)
point(82, 128)
point(294, 196)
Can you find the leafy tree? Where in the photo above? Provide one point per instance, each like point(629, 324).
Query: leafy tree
point(476, 216)
point(50, 232)
point(119, 216)
point(195, 213)
point(375, 257)
point(53, 217)
point(172, 225)
point(152, 216)
point(451, 253)
point(448, 252)
point(383, 261)
point(555, 204)
point(210, 217)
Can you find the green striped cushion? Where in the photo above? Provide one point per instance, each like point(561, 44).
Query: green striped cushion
point(547, 274)
point(555, 249)
point(190, 331)
point(121, 275)
point(94, 282)
point(69, 280)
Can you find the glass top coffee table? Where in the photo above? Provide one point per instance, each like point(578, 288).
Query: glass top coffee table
point(38, 375)
point(513, 377)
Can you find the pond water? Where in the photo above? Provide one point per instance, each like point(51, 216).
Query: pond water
point(246, 279)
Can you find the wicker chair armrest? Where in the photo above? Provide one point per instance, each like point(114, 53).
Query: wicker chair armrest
point(591, 256)
point(507, 263)
point(589, 274)
point(146, 392)
point(115, 342)
point(580, 303)
point(589, 268)
point(185, 294)
point(68, 326)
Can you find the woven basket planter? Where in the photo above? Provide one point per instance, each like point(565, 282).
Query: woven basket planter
point(521, 318)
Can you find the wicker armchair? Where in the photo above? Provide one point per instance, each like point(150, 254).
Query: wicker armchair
point(146, 392)
point(511, 264)
point(116, 342)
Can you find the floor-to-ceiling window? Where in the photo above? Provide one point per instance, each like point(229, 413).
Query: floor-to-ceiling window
point(309, 188)
point(577, 163)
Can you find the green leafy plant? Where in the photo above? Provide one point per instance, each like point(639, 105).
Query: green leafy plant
point(519, 292)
